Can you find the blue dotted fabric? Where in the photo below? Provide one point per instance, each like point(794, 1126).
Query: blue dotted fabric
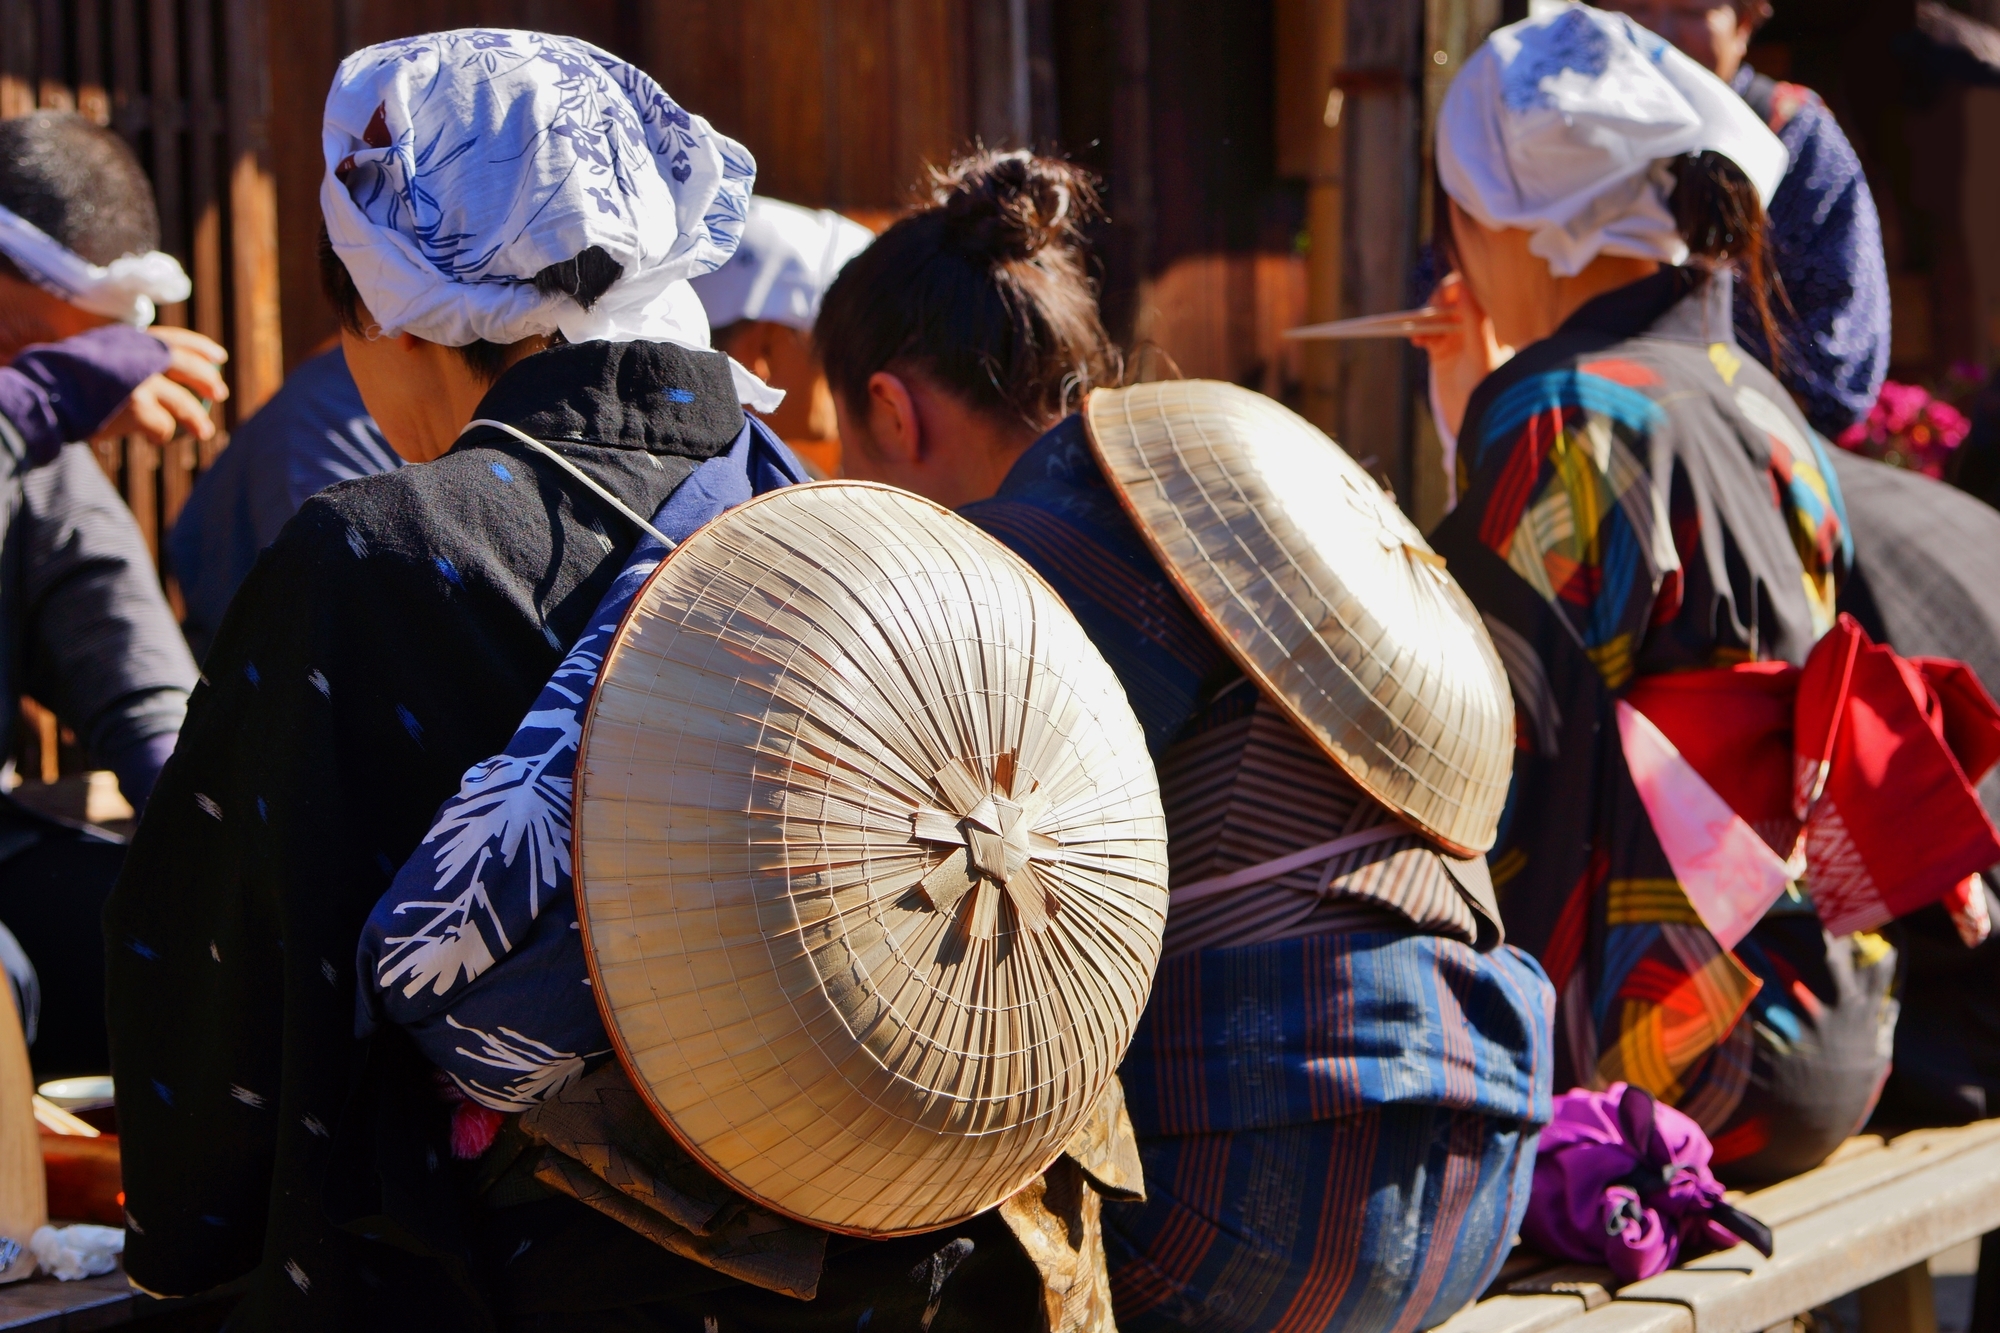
point(1827, 241)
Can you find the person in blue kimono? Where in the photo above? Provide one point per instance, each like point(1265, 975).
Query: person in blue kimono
point(1321, 1147)
point(1832, 349)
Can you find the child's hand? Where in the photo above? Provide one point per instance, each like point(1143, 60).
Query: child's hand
point(172, 401)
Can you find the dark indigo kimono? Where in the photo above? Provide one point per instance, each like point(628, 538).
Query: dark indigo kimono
point(1642, 497)
point(1337, 1130)
point(394, 634)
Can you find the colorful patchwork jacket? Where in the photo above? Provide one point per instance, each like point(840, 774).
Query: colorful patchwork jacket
point(1641, 497)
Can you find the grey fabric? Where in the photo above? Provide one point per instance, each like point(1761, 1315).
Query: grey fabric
point(84, 626)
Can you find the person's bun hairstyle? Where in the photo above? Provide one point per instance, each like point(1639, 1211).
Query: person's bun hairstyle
point(1011, 206)
point(984, 292)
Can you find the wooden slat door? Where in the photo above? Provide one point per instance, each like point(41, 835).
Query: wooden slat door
point(185, 83)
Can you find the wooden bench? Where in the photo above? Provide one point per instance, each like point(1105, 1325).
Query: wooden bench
point(44, 1305)
point(1868, 1220)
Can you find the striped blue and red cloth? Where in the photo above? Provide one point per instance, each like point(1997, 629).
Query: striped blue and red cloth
point(1337, 1130)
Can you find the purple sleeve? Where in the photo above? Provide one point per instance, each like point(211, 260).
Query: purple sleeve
point(63, 391)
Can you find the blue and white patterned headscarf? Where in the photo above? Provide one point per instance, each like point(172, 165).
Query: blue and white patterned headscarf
point(460, 164)
point(1564, 125)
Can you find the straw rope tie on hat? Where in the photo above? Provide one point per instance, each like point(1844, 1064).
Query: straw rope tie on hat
point(996, 843)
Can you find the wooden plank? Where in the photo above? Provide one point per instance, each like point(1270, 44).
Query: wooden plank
point(1635, 1317)
point(863, 106)
point(1851, 1173)
point(1864, 1237)
point(17, 57)
point(45, 1305)
point(257, 355)
point(1382, 120)
point(786, 43)
point(1902, 1302)
point(164, 68)
point(303, 51)
point(930, 105)
point(204, 181)
point(1588, 1283)
point(93, 99)
point(52, 86)
point(130, 107)
point(1516, 1314)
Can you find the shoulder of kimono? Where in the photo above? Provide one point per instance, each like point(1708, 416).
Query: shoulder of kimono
point(1611, 387)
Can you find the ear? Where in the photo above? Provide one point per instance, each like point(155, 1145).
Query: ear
point(892, 419)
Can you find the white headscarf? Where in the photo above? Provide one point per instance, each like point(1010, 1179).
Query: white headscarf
point(125, 289)
point(460, 164)
point(782, 267)
point(1565, 125)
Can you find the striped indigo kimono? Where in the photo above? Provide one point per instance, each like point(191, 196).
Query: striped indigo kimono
point(1336, 1090)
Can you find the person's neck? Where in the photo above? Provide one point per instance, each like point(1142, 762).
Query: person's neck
point(1560, 298)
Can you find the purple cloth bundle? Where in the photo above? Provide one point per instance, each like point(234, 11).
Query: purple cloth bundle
point(1622, 1181)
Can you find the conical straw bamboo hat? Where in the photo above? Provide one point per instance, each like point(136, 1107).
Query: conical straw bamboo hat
point(1323, 592)
point(870, 859)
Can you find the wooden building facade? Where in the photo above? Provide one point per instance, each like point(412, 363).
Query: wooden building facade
point(1223, 134)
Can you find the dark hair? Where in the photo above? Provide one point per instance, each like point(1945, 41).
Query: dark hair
point(984, 292)
point(78, 182)
point(1717, 212)
point(583, 278)
point(1722, 220)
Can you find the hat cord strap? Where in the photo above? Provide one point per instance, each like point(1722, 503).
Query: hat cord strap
point(596, 488)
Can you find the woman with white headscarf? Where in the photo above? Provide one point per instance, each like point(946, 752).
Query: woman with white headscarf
point(1641, 502)
point(511, 220)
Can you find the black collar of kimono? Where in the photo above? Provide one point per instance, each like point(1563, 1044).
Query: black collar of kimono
point(659, 397)
point(1679, 304)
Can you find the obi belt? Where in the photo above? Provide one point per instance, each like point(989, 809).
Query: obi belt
point(1271, 841)
point(1762, 774)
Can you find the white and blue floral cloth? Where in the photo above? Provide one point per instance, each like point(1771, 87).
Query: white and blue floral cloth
point(461, 164)
point(474, 950)
point(1563, 124)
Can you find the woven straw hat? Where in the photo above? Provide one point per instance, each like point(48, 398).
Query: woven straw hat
point(1324, 593)
point(870, 859)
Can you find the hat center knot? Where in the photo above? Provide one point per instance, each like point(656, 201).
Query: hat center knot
point(995, 846)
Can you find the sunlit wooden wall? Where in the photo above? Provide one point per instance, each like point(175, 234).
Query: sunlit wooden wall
point(842, 103)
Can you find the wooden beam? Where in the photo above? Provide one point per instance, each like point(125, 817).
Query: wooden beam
point(1382, 120)
point(1312, 44)
point(258, 358)
point(1900, 1303)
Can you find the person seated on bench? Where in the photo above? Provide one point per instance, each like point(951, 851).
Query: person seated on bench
point(85, 625)
point(1286, 1185)
point(1640, 497)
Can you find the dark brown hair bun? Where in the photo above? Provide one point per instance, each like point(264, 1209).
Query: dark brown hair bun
point(984, 292)
point(1014, 205)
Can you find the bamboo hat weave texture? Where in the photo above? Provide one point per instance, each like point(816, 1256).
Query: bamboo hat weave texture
point(1323, 592)
point(869, 859)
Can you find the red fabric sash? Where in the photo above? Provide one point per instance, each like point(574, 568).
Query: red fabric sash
point(1870, 755)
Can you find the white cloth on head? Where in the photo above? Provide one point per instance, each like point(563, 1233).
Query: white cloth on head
point(461, 164)
point(782, 267)
point(126, 289)
point(1565, 125)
